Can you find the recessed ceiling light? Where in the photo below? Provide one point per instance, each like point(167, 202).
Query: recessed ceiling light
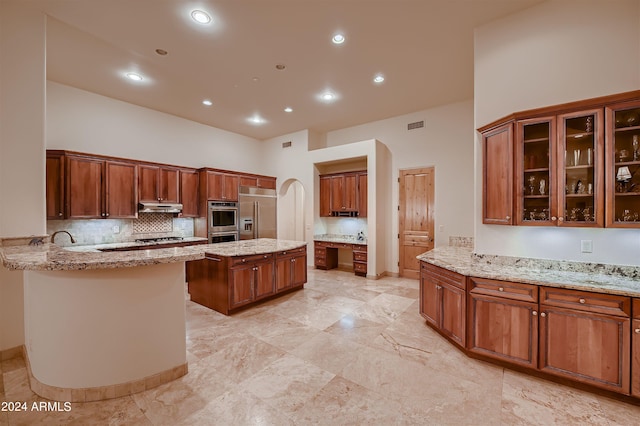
point(378, 79)
point(133, 76)
point(207, 102)
point(257, 120)
point(338, 39)
point(328, 96)
point(288, 109)
point(200, 17)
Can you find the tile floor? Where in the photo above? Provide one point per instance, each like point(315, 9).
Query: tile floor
point(343, 351)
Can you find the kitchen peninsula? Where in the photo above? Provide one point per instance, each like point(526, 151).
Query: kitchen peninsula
point(101, 325)
point(577, 323)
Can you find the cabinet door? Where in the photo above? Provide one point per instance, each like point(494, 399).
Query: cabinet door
point(189, 193)
point(581, 169)
point(429, 303)
point(169, 185)
point(504, 329)
point(230, 188)
point(635, 350)
point(337, 191)
point(623, 165)
point(283, 273)
point(55, 186)
point(121, 195)
point(214, 186)
point(586, 347)
point(267, 183)
point(350, 194)
point(453, 310)
point(148, 190)
point(84, 188)
point(536, 187)
point(497, 179)
point(362, 195)
point(241, 283)
point(325, 196)
point(265, 280)
point(299, 270)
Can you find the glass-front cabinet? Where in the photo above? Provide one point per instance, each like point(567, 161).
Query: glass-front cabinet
point(581, 169)
point(623, 165)
point(536, 198)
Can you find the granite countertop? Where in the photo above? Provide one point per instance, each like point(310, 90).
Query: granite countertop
point(339, 238)
point(50, 257)
point(599, 278)
point(150, 244)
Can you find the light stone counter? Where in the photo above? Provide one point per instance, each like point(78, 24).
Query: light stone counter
point(339, 238)
point(612, 279)
point(50, 257)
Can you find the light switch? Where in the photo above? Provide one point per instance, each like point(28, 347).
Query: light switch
point(586, 246)
point(116, 229)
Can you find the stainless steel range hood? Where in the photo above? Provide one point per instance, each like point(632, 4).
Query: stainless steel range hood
point(159, 208)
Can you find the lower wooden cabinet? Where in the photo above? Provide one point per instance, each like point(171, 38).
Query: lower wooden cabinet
point(503, 320)
point(251, 278)
point(326, 256)
point(443, 301)
point(291, 268)
point(635, 349)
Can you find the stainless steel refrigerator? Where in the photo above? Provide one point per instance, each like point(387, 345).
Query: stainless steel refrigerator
point(257, 212)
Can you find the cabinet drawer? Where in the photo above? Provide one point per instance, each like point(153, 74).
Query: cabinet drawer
point(360, 267)
point(504, 289)
point(241, 260)
point(636, 309)
point(320, 261)
point(442, 276)
point(292, 252)
point(341, 245)
point(321, 244)
point(321, 252)
point(359, 257)
point(360, 247)
point(586, 301)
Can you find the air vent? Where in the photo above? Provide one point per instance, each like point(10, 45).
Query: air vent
point(416, 125)
point(286, 144)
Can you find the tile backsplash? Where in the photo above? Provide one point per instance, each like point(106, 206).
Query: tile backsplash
point(102, 231)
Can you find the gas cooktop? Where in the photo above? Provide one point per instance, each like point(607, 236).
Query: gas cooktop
point(158, 239)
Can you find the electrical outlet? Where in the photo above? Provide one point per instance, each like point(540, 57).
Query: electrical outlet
point(586, 246)
point(116, 229)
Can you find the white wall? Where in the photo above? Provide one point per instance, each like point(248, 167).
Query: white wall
point(22, 158)
point(445, 142)
point(83, 121)
point(556, 52)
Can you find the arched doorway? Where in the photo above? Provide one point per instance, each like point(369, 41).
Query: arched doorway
point(291, 211)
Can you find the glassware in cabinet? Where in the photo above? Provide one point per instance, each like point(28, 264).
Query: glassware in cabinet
point(581, 169)
point(623, 165)
point(535, 165)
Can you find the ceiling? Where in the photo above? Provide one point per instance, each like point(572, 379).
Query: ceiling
point(424, 49)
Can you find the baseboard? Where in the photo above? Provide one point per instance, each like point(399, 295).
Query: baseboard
point(10, 353)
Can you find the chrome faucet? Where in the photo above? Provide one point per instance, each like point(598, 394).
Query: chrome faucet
point(66, 232)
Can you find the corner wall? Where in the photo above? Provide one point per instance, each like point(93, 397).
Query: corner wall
point(556, 52)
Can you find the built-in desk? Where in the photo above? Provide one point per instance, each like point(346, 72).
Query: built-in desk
point(326, 255)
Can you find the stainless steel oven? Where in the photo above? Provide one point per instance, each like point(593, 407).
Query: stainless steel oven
point(223, 237)
point(223, 217)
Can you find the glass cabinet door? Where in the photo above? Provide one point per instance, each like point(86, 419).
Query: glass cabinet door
point(536, 198)
point(580, 169)
point(623, 165)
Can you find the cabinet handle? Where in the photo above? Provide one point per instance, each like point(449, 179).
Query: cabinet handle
point(244, 260)
point(107, 215)
point(293, 260)
point(102, 215)
point(561, 219)
point(637, 330)
point(284, 252)
point(553, 218)
point(508, 218)
point(255, 268)
point(500, 288)
point(60, 214)
point(582, 301)
point(534, 313)
point(542, 314)
point(265, 256)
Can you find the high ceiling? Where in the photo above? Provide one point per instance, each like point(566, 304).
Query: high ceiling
point(424, 49)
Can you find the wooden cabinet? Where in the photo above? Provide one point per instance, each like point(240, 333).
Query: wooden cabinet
point(623, 165)
point(55, 185)
point(221, 186)
point(291, 268)
point(443, 301)
point(96, 188)
point(362, 194)
point(343, 194)
point(635, 349)
point(586, 337)
point(258, 181)
point(158, 183)
point(189, 190)
point(497, 177)
point(503, 321)
point(360, 259)
point(326, 256)
point(250, 278)
point(325, 196)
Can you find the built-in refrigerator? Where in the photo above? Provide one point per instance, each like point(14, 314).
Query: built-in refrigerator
point(257, 212)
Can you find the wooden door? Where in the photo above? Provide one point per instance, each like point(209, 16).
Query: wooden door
point(416, 230)
point(169, 186)
point(325, 196)
point(264, 279)
point(453, 312)
point(635, 351)
point(362, 195)
point(586, 347)
point(148, 183)
point(55, 186)
point(497, 176)
point(241, 291)
point(84, 188)
point(189, 193)
point(121, 195)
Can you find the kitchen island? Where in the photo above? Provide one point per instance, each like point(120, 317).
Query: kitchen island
point(572, 322)
point(237, 275)
point(101, 325)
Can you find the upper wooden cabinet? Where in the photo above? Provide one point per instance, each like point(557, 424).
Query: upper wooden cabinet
point(189, 188)
point(343, 194)
point(497, 177)
point(220, 186)
point(97, 188)
point(55, 185)
point(571, 165)
point(258, 181)
point(159, 184)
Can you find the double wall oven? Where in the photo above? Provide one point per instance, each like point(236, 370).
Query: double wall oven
point(222, 221)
